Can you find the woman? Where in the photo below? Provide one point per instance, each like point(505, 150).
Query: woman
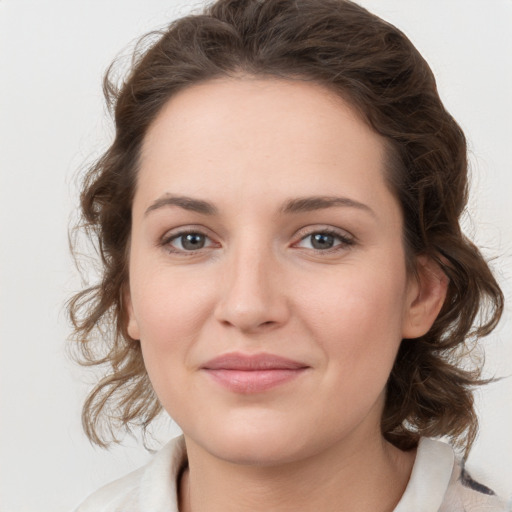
point(284, 271)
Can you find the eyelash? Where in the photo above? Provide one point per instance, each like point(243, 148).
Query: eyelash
point(344, 240)
point(167, 240)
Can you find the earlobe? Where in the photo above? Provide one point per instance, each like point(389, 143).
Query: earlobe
point(132, 327)
point(426, 298)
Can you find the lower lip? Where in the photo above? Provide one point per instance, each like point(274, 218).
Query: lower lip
point(253, 381)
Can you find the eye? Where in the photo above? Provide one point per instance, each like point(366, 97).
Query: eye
point(324, 240)
point(189, 241)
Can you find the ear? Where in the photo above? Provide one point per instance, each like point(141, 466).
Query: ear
point(425, 297)
point(132, 327)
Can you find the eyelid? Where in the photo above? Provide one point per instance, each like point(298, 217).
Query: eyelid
point(346, 238)
point(172, 234)
point(323, 228)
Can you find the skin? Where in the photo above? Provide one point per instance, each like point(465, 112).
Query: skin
point(250, 148)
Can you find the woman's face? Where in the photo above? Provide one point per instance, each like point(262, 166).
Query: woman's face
point(268, 283)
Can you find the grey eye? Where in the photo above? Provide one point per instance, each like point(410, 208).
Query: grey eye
point(322, 241)
point(189, 241)
point(325, 240)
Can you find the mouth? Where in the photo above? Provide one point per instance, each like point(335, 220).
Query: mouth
point(254, 373)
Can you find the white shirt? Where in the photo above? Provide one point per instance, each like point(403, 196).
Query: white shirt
point(437, 484)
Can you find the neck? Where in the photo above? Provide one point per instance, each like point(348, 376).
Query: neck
point(366, 476)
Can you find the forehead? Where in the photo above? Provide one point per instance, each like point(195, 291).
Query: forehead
point(245, 135)
point(257, 106)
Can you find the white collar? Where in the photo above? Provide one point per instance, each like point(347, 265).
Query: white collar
point(425, 491)
point(429, 479)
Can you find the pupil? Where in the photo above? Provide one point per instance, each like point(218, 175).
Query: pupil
point(322, 241)
point(193, 241)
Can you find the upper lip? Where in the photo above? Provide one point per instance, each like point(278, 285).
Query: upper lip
point(252, 362)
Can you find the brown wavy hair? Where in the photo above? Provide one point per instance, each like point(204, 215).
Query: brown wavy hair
point(373, 66)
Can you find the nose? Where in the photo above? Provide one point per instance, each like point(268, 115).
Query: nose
point(253, 296)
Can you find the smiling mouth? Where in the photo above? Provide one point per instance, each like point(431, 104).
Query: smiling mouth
point(255, 373)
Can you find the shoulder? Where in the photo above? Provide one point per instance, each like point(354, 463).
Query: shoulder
point(121, 494)
point(152, 487)
point(466, 494)
point(439, 483)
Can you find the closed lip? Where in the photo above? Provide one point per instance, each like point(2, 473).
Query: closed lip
point(252, 362)
point(255, 373)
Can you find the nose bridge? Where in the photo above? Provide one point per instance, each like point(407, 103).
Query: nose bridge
point(252, 297)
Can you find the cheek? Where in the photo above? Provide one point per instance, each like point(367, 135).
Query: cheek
point(170, 312)
point(168, 305)
point(357, 298)
point(358, 324)
point(169, 318)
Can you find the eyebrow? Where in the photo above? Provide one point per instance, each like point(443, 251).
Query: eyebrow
point(308, 204)
point(297, 205)
point(187, 203)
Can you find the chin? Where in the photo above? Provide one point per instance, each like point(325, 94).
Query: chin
point(257, 443)
point(256, 451)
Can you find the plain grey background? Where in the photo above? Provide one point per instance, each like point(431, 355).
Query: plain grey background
point(53, 54)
